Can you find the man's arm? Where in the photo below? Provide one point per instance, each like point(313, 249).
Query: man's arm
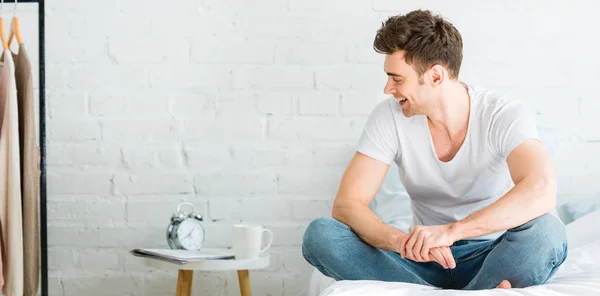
point(533, 195)
point(360, 183)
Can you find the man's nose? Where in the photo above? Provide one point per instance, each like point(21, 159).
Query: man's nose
point(388, 89)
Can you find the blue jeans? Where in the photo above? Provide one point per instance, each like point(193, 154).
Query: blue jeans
point(525, 255)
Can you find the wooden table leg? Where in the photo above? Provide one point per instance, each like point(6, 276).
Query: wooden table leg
point(184, 282)
point(244, 278)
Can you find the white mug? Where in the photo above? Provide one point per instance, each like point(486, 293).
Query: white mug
point(247, 241)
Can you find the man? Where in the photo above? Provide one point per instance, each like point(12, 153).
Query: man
point(482, 185)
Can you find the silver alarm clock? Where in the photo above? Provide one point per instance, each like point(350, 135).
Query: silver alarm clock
point(185, 232)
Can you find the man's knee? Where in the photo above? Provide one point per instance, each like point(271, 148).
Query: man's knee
point(320, 235)
point(545, 225)
point(546, 234)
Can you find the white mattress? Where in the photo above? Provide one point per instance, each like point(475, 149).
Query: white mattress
point(579, 274)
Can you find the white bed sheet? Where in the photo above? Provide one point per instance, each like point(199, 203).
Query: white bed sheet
point(579, 274)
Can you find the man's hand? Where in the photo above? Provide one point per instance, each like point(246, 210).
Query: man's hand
point(441, 255)
point(421, 239)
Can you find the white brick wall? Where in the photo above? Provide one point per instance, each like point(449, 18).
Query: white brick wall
point(251, 110)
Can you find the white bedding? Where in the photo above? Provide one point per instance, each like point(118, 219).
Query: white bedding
point(579, 274)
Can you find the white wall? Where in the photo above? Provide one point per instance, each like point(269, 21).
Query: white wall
point(251, 110)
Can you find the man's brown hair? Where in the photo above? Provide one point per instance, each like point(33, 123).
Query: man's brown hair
point(427, 39)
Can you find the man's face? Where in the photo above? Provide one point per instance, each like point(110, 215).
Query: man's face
point(411, 91)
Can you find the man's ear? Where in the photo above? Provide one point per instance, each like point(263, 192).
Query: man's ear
point(437, 75)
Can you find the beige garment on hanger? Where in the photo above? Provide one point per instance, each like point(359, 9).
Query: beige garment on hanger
point(10, 181)
point(30, 172)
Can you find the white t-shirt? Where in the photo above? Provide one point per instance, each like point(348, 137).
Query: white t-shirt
point(446, 192)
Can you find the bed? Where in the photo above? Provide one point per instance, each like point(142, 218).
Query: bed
point(579, 274)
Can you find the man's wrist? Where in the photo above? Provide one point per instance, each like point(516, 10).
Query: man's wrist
point(398, 236)
point(456, 231)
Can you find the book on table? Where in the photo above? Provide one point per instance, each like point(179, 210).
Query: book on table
point(184, 256)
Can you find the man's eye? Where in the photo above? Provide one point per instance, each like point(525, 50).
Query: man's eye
point(398, 81)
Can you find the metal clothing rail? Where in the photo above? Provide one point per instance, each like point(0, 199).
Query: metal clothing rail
point(42, 137)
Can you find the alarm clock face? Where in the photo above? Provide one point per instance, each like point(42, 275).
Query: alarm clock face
point(190, 234)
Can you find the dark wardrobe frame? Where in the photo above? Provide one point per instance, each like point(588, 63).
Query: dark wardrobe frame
point(42, 139)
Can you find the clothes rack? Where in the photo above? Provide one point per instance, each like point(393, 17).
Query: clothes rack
point(42, 143)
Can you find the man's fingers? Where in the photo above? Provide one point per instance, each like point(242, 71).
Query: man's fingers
point(425, 249)
point(419, 250)
point(439, 258)
point(403, 245)
point(426, 258)
point(411, 244)
point(418, 246)
point(448, 256)
point(411, 258)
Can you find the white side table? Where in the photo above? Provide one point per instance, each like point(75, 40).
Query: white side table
point(186, 271)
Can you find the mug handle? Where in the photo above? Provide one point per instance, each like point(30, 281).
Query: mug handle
point(270, 240)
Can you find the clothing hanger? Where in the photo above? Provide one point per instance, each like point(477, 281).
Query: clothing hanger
point(15, 29)
point(2, 34)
